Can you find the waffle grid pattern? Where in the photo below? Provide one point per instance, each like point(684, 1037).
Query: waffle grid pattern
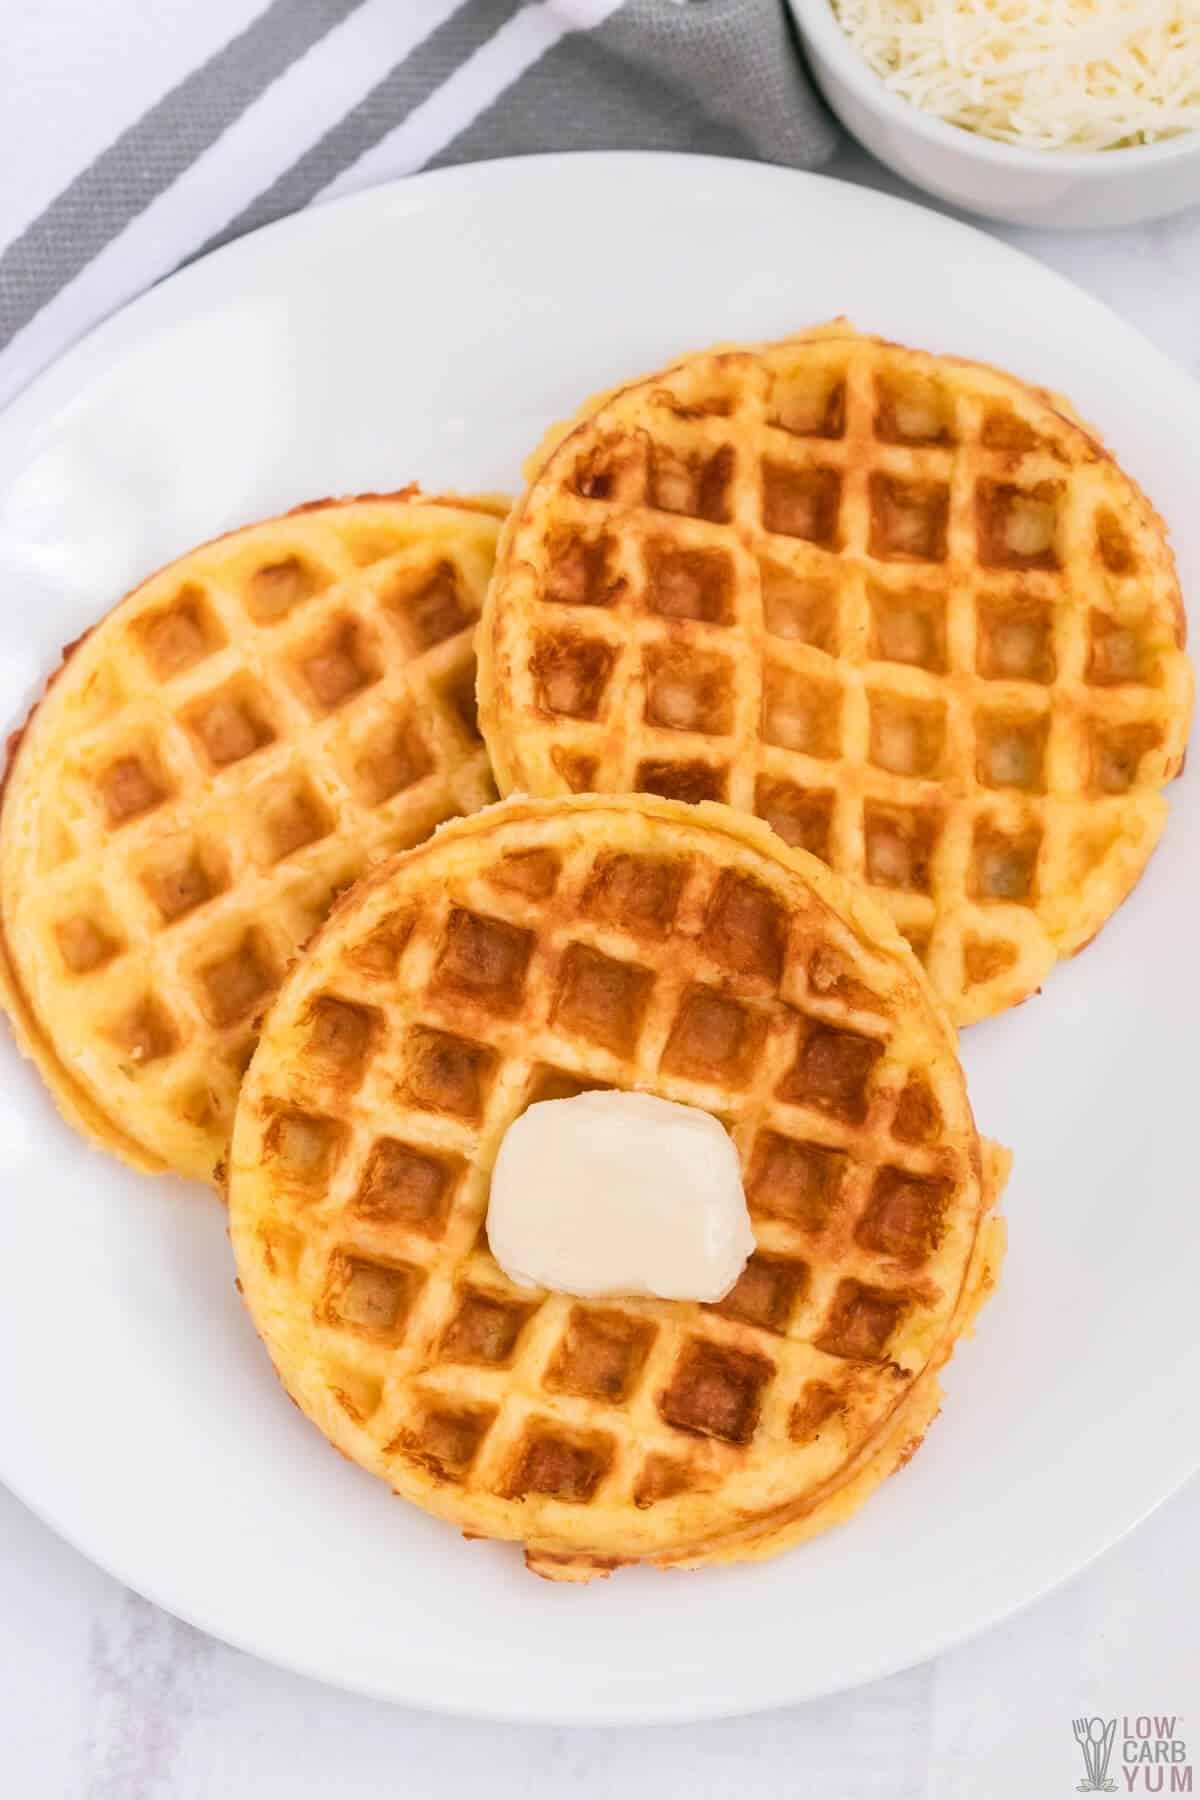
point(221, 757)
point(511, 974)
point(899, 607)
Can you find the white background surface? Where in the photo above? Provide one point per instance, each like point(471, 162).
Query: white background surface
point(103, 1696)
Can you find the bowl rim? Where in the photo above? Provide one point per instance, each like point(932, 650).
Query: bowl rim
point(816, 19)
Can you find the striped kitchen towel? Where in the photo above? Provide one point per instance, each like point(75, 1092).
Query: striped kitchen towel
point(136, 137)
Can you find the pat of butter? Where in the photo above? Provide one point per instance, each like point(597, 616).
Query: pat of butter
point(611, 1193)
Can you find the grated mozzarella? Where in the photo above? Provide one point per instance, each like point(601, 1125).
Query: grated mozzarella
point(1048, 74)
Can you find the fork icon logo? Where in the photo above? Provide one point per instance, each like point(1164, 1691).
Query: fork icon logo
point(1095, 1740)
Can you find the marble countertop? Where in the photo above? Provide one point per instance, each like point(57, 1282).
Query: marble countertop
point(104, 1697)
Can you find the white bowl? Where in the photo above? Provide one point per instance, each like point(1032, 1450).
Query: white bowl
point(1057, 188)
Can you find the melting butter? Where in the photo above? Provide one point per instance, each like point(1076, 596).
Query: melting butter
point(614, 1194)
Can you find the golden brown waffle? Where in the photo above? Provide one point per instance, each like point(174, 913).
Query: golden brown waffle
point(221, 755)
point(901, 606)
point(534, 951)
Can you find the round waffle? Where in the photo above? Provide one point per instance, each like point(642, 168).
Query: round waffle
point(903, 607)
point(213, 762)
point(536, 950)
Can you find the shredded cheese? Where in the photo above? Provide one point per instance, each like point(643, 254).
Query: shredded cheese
point(1048, 74)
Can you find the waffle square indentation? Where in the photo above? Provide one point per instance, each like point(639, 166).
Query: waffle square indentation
point(745, 926)
point(637, 894)
point(904, 1216)
point(861, 1321)
point(1015, 640)
point(289, 815)
point(379, 952)
point(909, 519)
point(368, 1296)
point(576, 769)
point(485, 1329)
point(797, 1181)
point(802, 502)
point(765, 1292)
point(579, 570)
point(533, 873)
point(448, 1438)
point(800, 608)
point(1115, 754)
point(239, 982)
point(801, 712)
point(448, 1074)
point(338, 665)
point(1017, 528)
point(146, 1033)
point(809, 403)
point(132, 785)
point(611, 470)
point(341, 1037)
point(1005, 430)
point(303, 1147)
point(1116, 655)
point(818, 1403)
point(662, 1477)
point(696, 484)
point(406, 1186)
point(571, 674)
point(600, 1355)
point(1116, 552)
point(908, 627)
point(918, 1117)
point(563, 1465)
point(428, 606)
point(716, 1391)
point(230, 724)
point(801, 816)
point(691, 781)
point(1004, 863)
point(393, 757)
point(913, 409)
point(689, 584)
point(1010, 751)
point(688, 690)
point(180, 634)
point(899, 844)
point(906, 736)
point(601, 999)
point(548, 1083)
point(483, 960)
point(832, 1071)
point(184, 876)
point(87, 941)
point(275, 588)
point(714, 1039)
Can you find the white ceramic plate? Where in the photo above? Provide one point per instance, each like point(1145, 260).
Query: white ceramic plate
point(430, 330)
